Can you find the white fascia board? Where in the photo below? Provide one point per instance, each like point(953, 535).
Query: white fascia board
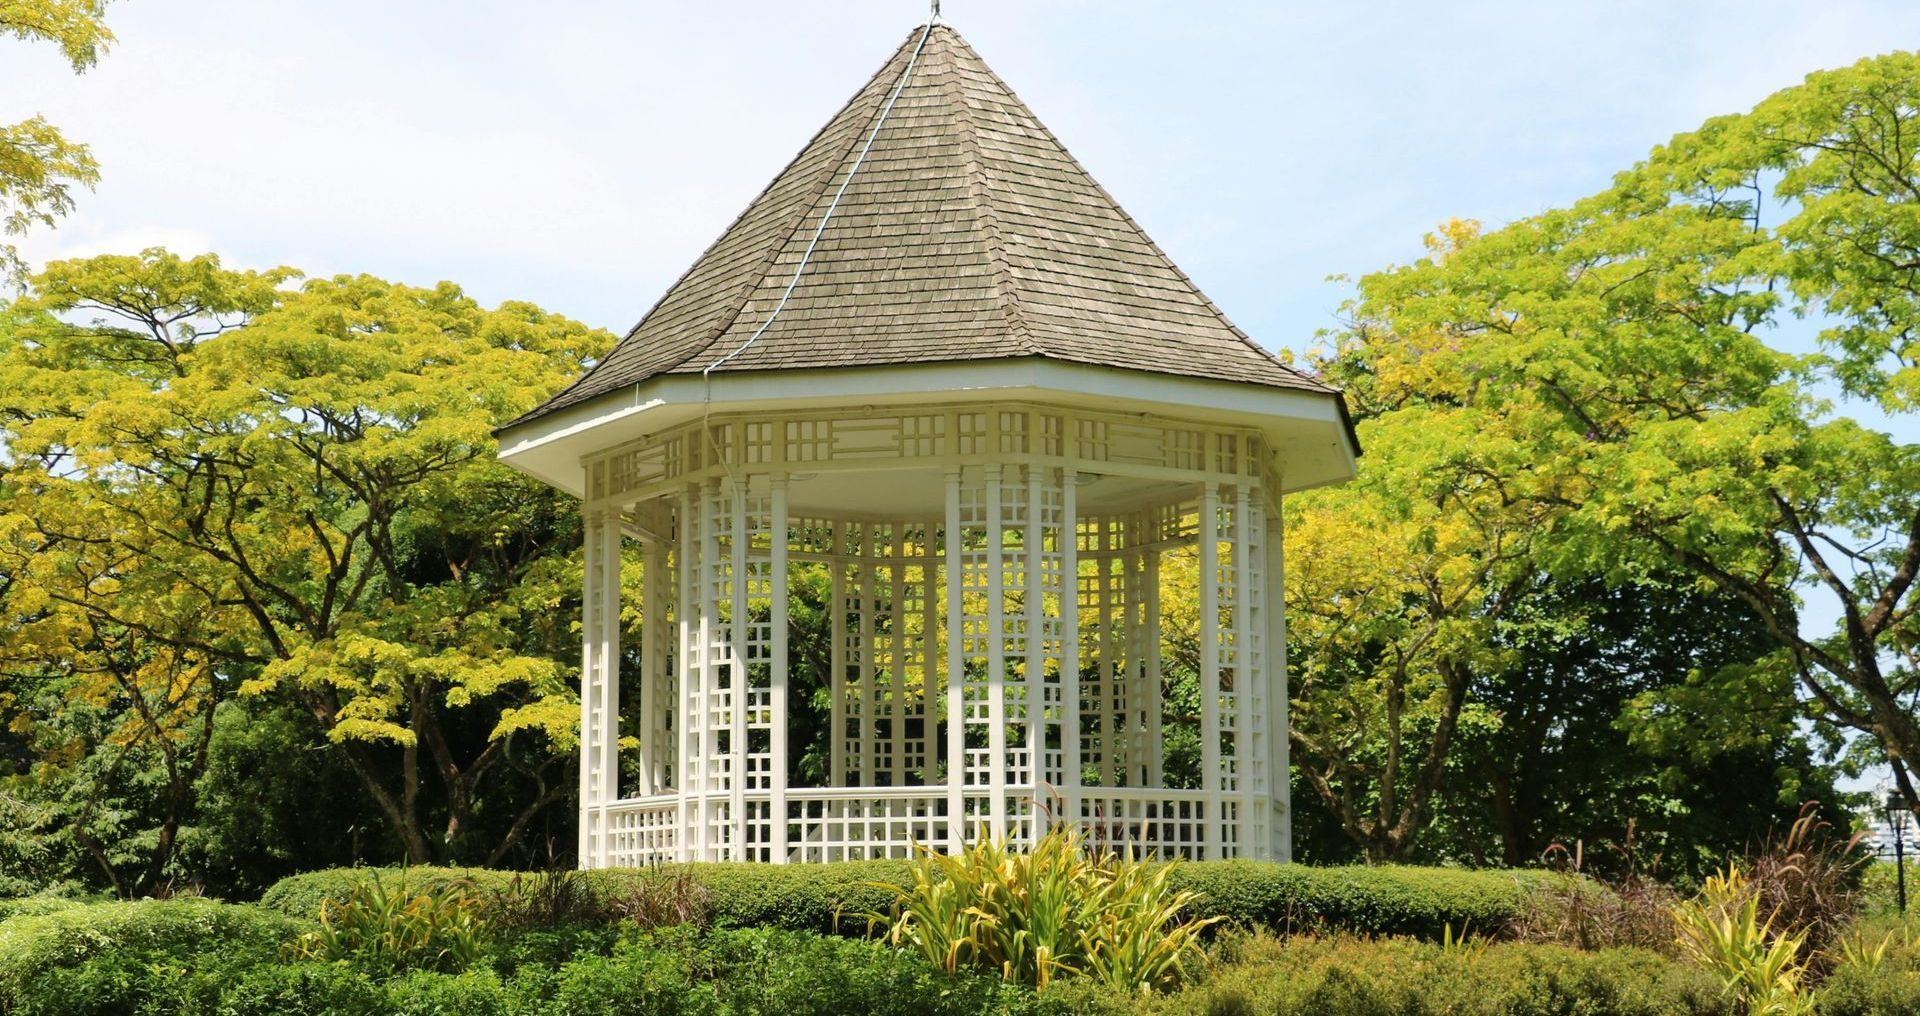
point(1306, 428)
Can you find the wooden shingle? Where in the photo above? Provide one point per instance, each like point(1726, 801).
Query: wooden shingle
point(969, 233)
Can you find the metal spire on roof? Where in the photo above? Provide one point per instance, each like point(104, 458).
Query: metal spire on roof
point(935, 16)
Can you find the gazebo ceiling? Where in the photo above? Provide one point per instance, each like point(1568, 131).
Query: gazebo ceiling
point(967, 253)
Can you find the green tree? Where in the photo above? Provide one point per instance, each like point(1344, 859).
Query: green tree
point(38, 165)
point(1651, 710)
point(291, 494)
point(1611, 357)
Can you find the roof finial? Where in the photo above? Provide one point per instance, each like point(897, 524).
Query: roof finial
point(934, 17)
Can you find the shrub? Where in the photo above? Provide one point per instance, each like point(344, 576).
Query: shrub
point(833, 898)
point(1632, 909)
point(1384, 900)
point(33, 946)
point(1347, 976)
point(396, 928)
point(28, 906)
point(1809, 880)
point(558, 898)
point(1057, 909)
point(303, 989)
point(429, 993)
point(1757, 960)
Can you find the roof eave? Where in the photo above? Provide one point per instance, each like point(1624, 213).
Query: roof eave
point(1311, 429)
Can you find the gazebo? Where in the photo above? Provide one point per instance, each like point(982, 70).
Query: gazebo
point(917, 435)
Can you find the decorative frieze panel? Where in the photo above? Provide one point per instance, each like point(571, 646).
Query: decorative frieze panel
point(1004, 432)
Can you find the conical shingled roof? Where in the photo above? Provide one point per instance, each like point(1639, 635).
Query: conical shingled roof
point(968, 233)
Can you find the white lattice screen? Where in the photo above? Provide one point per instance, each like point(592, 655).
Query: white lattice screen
point(982, 592)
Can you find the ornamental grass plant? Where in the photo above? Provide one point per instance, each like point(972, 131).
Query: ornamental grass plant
point(391, 928)
point(1062, 909)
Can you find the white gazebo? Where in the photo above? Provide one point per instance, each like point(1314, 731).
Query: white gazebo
point(936, 387)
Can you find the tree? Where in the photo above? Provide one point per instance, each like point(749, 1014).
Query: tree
point(38, 166)
point(292, 494)
point(1396, 585)
point(1653, 710)
point(1612, 357)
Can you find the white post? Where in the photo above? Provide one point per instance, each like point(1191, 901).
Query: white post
point(1279, 748)
point(599, 680)
point(1156, 749)
point(777, 681)
point(957, 830)
point(837, 657)
point(653, 626)
point(1243, 675)
point(691, 766)
point(739, 688)
point(710, 758)
point(1070, 643)
point(865, 581)
point(1209, 537)
point(996, 654)
point(1035, 541)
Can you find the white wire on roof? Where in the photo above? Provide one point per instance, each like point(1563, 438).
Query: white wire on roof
point(807, 256)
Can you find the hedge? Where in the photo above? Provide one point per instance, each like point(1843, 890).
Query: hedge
point(1346, 976)
point(36, 947)
point(668, 973)
point(1415, 901)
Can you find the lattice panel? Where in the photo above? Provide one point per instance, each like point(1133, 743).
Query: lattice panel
point(853, 827)
point(1158, 824)
point(642, 835)
point(993, 664)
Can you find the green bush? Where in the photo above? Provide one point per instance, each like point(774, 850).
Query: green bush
point(473, 993)
point(1387, 900)
point(33, 947)
point(301, 989)
point(392, 926)
point(1348, 976)
point(28, 906)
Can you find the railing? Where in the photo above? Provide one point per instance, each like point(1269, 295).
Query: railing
point(867, 823)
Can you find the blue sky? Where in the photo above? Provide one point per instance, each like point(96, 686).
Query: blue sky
point(580, 155)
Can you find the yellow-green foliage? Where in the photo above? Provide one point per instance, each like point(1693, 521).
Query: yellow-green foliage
point(1345, 975)
point(1060, 909)
point(397, 928)
point(1758, 964)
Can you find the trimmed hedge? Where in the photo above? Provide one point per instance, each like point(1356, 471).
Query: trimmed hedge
point(36, 949)
point(1421, 902)
point(1384, 900)
point(1345, 976)
point(667, 973)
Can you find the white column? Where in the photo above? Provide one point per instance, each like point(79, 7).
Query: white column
point(599, 680)
point(1243, 675)
point(996, 654)
point(1209, 538)
point(837, 658)
point(653, 627)
point(1035, 541)
point(1070, 643)
point(777, 681)
point(957, 832)
point(691, 766)
point(865, 581)
point(712, 765)
point(739, 689)
point(1279, 774)
point(1150, 581)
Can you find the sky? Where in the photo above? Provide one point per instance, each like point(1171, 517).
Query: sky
point(581, 155)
